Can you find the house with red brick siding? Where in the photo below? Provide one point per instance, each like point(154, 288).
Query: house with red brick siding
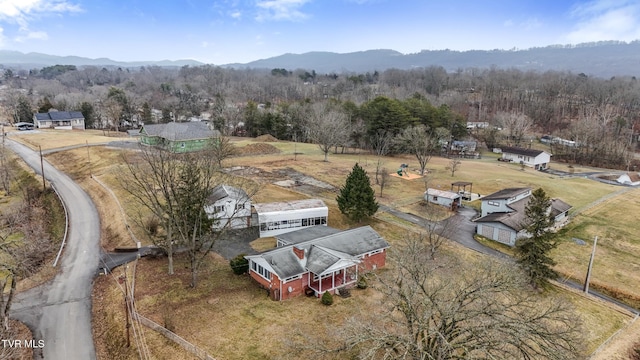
point(316, 260)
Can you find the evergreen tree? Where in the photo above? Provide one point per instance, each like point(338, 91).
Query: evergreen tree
point(87, 110)
point(23, 111)
point(533, 252)
point(45, 105)
point(357, 199)
point(147, 118)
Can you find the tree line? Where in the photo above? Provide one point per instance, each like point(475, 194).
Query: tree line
point(599, 114)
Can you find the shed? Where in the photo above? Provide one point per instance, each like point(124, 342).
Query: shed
point(444, 198)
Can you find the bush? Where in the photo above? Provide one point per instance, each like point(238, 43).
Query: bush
point(239, 264)
point(362, 283)
point(327, 298)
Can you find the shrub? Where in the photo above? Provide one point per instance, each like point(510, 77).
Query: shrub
point(151, 224)
point(362, 283)
point(327, 298)
point(239, 264)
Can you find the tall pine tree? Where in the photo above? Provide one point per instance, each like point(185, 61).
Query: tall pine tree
point(357, 199)
point(533, 252)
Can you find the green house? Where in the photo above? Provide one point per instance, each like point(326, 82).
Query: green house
point(178, 137)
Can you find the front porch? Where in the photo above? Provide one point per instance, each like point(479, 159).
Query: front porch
point(346, 276)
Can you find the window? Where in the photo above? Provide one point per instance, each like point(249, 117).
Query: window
point(435, 198)
point(493, 203)
point(182, 145)
point(239, 206)
point(218, 208)
point(258, 269)
point(296, 277)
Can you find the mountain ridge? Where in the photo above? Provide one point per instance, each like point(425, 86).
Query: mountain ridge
point(602, 59)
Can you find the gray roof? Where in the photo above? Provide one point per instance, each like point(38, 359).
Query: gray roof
point(521, 151)
point(323, 252)
point(59, 115)
point(558, 207)
point(517, 219)
point(289, 205)
point(174, 131)
point(223, 191)
point(506, 193)
point(306, 234)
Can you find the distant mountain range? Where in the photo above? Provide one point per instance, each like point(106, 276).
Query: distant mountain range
point(602, 59)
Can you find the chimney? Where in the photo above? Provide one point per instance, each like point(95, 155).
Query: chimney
point(299, 252)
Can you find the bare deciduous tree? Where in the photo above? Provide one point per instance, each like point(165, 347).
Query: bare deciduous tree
point(419, 142)
point(444, 310)
point(454, 164)
point(516, 125)
point(328, 128)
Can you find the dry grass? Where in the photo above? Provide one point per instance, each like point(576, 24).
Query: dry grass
point(232, 318)
point(51, 139)
point(616, 267)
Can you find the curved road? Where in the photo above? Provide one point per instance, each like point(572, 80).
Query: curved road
point(59, 312)
point(463, 235)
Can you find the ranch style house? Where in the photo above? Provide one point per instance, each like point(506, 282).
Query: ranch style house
point(178, 137)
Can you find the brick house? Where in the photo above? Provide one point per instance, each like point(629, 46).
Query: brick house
point(316, 260)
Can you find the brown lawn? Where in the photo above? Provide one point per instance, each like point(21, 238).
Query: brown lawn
point(230, 317)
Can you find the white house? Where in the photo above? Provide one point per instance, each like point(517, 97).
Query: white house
point(59, 120)
point(537, 159)
point(503, 216)
point(444, 198)
point(283, 217)
point(230, 206)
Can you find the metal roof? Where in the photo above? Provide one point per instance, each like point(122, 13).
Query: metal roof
point(289, 205)
point(443, 193)
point(59, 115)
point(174, 131)
point(522, 151)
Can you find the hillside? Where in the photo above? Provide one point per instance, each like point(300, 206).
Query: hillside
point(602, 59)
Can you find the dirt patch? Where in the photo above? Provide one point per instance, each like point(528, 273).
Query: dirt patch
point(257, 149)
point(266, 138)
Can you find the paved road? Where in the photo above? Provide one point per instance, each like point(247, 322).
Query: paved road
point(463, 234)
point(59, 312)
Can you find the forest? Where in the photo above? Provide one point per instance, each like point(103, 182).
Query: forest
point(366, 110)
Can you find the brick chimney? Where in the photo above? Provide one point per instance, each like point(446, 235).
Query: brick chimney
point(299, 252)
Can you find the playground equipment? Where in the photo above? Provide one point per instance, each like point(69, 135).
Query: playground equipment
point(402, 169)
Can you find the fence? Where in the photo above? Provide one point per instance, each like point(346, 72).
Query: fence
point(173, 337)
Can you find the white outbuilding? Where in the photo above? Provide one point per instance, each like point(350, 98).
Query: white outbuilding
point(282, 217)
point(444, 198)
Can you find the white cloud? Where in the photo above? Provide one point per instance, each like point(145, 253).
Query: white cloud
point(236, 14)
point(33, 35)
point(281, 10)
point(22, 12)
point(606, 20)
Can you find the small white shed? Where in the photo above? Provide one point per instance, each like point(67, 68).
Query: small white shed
point(448, 199)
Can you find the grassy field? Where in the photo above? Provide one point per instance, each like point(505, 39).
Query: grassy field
point(232, 318)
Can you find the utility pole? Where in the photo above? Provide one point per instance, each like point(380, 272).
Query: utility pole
point(44, 185)
point(593, 254)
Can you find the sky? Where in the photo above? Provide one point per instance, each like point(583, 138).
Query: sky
point(239, 31)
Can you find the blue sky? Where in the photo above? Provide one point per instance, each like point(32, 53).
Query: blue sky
point(226, 31)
